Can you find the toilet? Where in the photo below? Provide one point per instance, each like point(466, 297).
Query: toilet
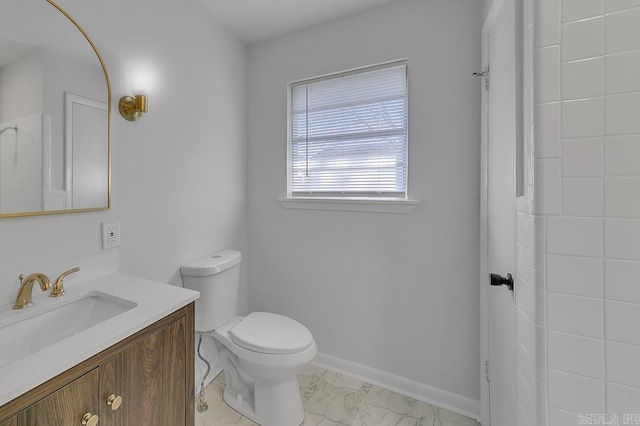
point(261, 354)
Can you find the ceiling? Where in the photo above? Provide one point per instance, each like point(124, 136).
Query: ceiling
point(257, 20)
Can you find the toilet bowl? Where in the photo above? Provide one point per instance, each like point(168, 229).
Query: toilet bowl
point(261, 354)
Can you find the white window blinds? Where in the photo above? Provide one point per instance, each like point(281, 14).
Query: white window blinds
point(348, 134)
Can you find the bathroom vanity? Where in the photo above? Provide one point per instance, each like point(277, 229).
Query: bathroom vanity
point(135, 368)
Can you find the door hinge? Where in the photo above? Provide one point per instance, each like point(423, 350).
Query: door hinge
point(487, 371)
point(485, 75)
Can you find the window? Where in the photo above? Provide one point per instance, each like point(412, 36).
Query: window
point(348, 135)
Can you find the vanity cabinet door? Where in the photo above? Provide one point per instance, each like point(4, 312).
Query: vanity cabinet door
point(150, 376)
point(66, 406)
point(111, 384)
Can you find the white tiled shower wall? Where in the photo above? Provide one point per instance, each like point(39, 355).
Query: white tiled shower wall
point(586, 213)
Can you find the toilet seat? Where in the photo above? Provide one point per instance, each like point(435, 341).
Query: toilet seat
point(269, 333)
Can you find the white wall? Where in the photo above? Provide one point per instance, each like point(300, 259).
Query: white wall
point(22, 87)
point(21, 165)
point(394, 292)
point(486, 6)
point(21, 159)
point(179, 185)
point(589, 163)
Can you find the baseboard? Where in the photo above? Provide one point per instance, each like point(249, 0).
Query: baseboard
point(440, 398)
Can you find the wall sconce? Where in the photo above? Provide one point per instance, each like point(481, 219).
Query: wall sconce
point(140, 82)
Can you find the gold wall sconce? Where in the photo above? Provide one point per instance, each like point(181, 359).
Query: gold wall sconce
point(140, 81)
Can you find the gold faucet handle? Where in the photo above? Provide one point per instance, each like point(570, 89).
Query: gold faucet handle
point(58, 287)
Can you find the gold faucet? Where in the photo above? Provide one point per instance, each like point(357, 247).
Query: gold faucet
point(26, 286)
point(58, 287)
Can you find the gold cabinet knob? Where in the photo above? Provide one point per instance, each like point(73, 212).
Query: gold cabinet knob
point(90, 419)
point(114, 402)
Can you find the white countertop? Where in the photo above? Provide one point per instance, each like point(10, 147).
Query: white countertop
point(154, 300)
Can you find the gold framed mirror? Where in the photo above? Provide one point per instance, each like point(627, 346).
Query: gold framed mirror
point(55, 113)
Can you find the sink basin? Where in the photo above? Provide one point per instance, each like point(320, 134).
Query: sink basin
point(25, 332)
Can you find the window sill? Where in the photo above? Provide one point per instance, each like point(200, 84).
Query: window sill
point(350, 204)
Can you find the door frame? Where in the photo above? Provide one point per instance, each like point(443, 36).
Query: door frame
point(71, 99)
point(494, 13)
point(523, 187)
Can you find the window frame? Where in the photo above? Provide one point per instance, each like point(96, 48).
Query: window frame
point(346, 202)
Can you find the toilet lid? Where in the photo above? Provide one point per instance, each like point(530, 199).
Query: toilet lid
point(268, 333)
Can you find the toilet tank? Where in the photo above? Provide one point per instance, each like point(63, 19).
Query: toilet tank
point(217, 278)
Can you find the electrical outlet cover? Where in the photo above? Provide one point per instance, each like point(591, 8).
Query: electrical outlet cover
point(110, 234)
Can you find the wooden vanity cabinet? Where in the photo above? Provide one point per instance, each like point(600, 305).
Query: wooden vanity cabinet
point(13, 421)
point(152, 371)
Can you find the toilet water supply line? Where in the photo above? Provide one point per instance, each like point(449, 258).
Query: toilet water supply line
point(202, 403)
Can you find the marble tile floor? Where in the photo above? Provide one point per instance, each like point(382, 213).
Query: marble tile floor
point(331, 399)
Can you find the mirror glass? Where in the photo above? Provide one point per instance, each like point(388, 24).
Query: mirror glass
point(54, 113)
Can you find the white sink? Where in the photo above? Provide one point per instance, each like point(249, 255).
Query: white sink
point(25, 332)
